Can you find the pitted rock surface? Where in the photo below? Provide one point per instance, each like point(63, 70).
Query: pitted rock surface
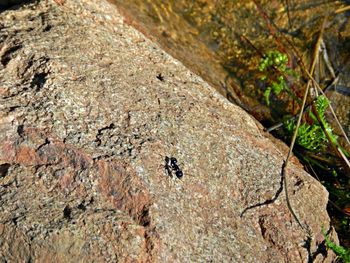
point(90, 108)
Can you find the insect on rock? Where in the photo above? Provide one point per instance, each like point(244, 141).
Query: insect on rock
point(172, 166)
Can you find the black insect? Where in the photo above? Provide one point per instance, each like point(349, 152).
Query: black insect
point(160, 77)
point(172, 166)
point(167, 166)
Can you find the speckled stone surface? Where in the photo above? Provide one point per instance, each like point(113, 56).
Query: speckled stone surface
point(90, 108)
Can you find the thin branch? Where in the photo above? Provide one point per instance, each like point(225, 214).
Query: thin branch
point(288, 15)
point(284, 167)
point(343, 9)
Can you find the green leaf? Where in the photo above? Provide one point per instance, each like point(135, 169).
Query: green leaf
point(341, 252)
point(267, 95)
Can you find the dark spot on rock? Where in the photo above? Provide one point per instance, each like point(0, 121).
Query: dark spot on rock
point(47, 142)
point(160, 77)
point(39, 80)
point(20, 130)
point(144, 219)
point(4, 169)
point(13, 108)
point(47, 28)
point(14, 220)
point(299, 182)
point(67, 211)
point(82, 207)
point(262, 227)
point(100, 133)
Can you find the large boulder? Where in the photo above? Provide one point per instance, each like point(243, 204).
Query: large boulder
point(90, 109)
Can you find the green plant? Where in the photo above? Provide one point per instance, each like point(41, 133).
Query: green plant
point(341, 252)
point(311, 136)
point(321, 104)
point(274, 72)
point(274, 59)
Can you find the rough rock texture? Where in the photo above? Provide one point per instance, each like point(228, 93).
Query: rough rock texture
point(89, 110)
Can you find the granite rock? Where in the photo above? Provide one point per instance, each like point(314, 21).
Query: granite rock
point(90, 108)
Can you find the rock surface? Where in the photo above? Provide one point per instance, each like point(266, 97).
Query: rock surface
point(89, 110)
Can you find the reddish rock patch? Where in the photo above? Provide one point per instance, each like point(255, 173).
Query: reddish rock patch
point(74, 171)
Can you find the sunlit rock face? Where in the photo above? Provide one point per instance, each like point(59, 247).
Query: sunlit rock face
point(91, 108)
